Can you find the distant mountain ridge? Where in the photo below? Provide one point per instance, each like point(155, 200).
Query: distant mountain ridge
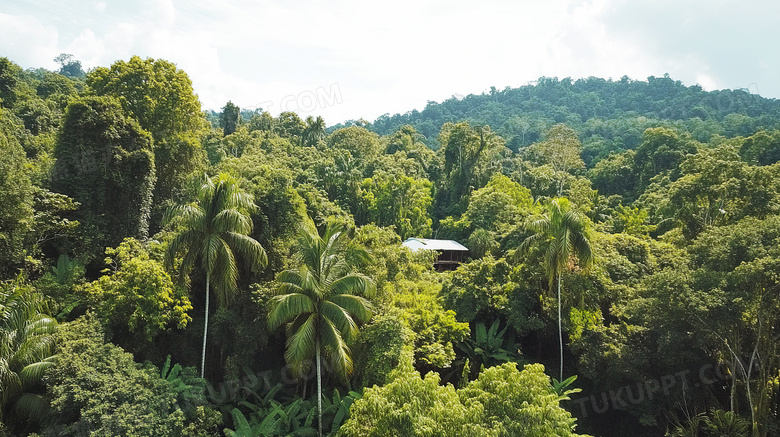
point(593, 107)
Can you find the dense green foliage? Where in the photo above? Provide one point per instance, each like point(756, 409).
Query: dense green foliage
point(668, 315)
point(97, 388)
point(15, 195)
point(160, 98)
point(105, 162)
point(608, 114)
point(502, 401)
point(136, 299)
point(26, 352)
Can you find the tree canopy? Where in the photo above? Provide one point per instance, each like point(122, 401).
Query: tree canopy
point(653, 207)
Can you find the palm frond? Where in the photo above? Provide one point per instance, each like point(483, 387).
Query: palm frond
point(209, 252)
point(529, 242)
point(334, 266)
point(356, 306)
point(287, 307)
point(352, 284)
point(251, 251)
point(540, 226)
point(40, 325)
point(225, 274)
point(31, 406)
point(188, 214)
point(32, 374)
point(292, 277)
point(340, 318)
point(185, 267)
point(583, 250)
point(32, 349)
point(232, 220)
point(301, 342)
point(336, 349)
point(310, 249)
point(242, 201)
point(184, 241)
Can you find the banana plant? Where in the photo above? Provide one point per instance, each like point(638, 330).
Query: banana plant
point(64, 268)
point(559, 388)
point(267, 427)
point(270, 417)
point(488, 347)
point(189, 389)
point(296, 418)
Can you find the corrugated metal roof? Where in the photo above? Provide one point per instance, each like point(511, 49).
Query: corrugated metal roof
point(415, 244)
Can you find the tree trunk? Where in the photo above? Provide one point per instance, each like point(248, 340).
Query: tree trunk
point(560, 331)
point(319, 390)
point(205, 327)
point(733, 396)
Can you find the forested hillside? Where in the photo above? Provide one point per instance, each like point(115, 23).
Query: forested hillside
point(608, 115)
point(168, 270)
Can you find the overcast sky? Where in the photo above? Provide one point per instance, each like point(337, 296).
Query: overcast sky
point(351, 59)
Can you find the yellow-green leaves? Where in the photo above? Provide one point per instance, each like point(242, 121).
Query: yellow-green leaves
point(137, 294)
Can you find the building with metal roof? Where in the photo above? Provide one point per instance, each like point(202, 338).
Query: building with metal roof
point(451, 253)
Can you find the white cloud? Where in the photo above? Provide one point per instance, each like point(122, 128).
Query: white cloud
point(706, 82)
point(88, 48)
point(393, 57)
point(729, 42)
point(27, 41)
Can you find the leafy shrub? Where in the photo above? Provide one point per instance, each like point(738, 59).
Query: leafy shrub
point(97, 389)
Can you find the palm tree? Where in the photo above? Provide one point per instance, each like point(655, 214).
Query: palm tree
point(321, 303)
point(213, 230)
point(26, 349)
point(563, 237)
point(314, 131)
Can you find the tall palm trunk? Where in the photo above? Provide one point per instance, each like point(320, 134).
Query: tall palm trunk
point(205, 327)
point(319, 390)
point(560, 331)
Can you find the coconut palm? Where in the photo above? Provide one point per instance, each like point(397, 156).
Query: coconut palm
point(314, 131)
point(26, 349)
point(213, 230)
point(321, 302)
point(563, 238)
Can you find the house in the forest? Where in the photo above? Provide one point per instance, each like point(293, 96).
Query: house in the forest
point(451, 253)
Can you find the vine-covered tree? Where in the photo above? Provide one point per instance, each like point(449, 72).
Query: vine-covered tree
point(230, 118)
point(161, 98)
point(105, 162)
point(15, 196)
point(464, 148)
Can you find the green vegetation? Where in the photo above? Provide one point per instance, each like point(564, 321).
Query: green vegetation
point(215, 229)
point(321, 304)
point(27, 350)
point(632, 227)
point(502, 401)
point(563, 238)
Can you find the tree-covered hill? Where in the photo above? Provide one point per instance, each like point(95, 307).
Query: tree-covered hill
point(609, 115)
